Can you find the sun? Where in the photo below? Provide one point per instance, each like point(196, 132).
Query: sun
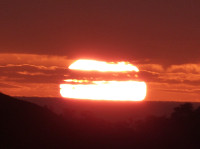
point(116, 90)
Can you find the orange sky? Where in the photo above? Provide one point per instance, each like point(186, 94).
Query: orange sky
point(40, 75)
point(40, 39)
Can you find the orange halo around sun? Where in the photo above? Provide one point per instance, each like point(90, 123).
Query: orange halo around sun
point(130, 90)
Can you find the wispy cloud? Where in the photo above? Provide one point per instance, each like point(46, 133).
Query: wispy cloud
point(34, 59)
point(186, 68)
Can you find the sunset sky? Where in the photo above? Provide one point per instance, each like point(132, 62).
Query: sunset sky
point(39, 39)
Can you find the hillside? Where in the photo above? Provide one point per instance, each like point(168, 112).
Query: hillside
point(26, 125)
point(107, 110)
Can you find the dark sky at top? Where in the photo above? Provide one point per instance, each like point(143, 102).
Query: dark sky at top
point(160, 30)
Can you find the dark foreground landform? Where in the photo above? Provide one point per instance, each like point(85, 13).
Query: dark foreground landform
point(97, 125)
point(113, 111)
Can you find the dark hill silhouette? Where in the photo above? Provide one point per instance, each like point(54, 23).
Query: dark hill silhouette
point(107, 110)
point(26, 125)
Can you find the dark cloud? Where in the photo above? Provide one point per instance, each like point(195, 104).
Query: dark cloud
point(31, 68)
point(4, 85)
point(185, 68)
point(27, 73)
point(94, 75)
point(175, 74)
point(196, 91)
point(32, 74)
point(149, 76)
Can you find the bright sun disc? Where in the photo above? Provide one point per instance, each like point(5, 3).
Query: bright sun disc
point(93, 65)
point(130, 90)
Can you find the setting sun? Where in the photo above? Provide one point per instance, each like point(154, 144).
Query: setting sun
point(93, 65)
point(130, 90)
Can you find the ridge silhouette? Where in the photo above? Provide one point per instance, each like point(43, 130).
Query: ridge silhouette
point(27, 125)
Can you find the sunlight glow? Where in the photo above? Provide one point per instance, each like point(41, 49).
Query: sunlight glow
point(130, 90)
point(93, 65)
point(106, 90)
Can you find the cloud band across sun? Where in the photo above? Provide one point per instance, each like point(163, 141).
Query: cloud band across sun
point(40, 75)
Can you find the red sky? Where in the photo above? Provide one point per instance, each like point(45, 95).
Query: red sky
point(39, 39)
